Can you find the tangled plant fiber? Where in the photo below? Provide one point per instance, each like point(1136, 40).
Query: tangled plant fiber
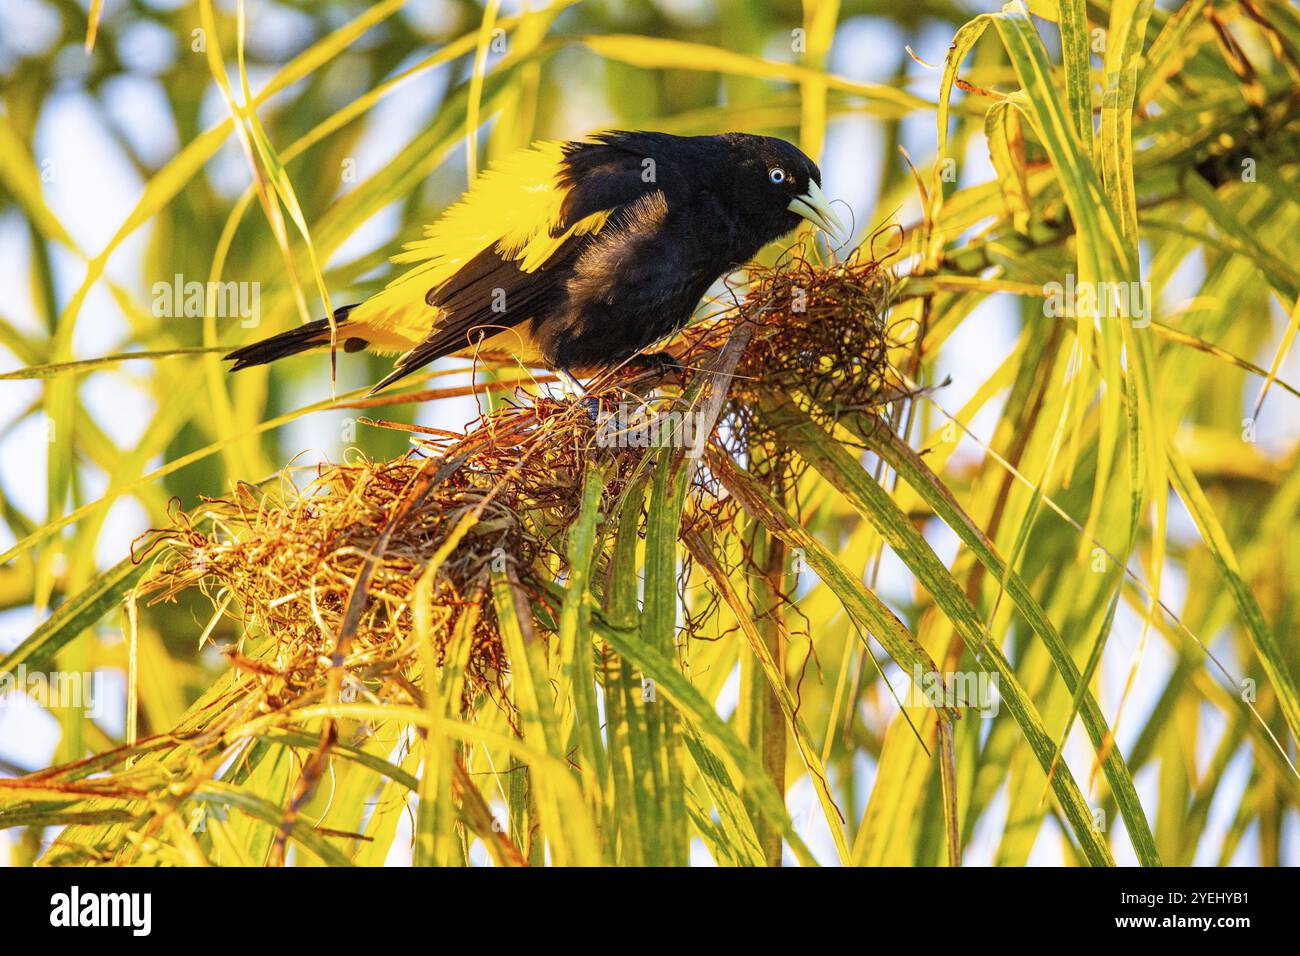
point(328, 571)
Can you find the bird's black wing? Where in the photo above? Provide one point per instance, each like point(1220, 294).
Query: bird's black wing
point(493, 290)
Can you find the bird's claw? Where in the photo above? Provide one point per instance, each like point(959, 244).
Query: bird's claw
point(574, 391)
point(660, 363)
point(569, 385)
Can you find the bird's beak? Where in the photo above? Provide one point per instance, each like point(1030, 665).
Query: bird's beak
point(814, 207)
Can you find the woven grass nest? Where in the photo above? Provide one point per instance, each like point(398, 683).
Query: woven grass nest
point(329, 571)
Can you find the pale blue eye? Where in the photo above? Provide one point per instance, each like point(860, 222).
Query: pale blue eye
point(776, 174)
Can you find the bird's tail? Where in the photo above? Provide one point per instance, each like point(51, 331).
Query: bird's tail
point(309, 336)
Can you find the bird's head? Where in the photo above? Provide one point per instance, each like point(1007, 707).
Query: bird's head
point(776, 186)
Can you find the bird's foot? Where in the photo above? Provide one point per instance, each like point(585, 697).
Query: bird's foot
point(575, 392)
point(569, 385)
point(659, 363)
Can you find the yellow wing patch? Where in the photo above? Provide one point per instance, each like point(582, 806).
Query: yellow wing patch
point(514, 204)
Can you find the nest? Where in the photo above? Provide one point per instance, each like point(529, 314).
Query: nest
point(823, 333)
point(328, 571)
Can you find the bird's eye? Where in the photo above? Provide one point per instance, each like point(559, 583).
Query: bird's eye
point(776, 175)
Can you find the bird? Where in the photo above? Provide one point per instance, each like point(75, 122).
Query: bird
point(576, 255)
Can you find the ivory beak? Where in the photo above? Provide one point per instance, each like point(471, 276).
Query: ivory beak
point(814, 207)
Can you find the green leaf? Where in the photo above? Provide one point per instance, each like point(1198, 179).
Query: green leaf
point(1261, 634)
point(73, 617)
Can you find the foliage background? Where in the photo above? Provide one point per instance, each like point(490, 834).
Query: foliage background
point(118, 170)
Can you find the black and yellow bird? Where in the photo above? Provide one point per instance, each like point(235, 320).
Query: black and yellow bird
point(577, 256)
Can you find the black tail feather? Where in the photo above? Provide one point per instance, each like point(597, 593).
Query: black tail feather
point(304, 337)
